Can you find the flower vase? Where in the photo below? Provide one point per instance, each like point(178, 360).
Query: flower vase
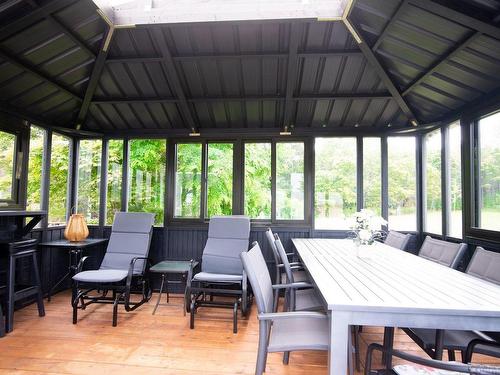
point(364, 251)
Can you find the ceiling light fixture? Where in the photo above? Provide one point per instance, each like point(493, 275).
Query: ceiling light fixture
point(194, 133)
point(414, 122)
point(286, 131)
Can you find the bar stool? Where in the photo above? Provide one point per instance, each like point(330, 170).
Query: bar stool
point(24, 249)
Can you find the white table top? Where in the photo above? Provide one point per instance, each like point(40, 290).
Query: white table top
point(393, 281)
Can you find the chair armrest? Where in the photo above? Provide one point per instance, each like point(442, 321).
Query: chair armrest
point(81, 263)
point(471, 348)
point(443, 365)
point(293, 266)
point(297, 285)
point(296, 264)
point(291, 315)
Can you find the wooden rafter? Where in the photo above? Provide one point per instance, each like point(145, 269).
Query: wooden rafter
point(99, 64)
point(458, 17)
point(395, 16)
point(173, 77)
point(32, 70)
point(442, 61)
point(384, 76)
point(291, 76)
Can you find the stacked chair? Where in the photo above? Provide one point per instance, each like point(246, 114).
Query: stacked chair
point(280, 276)
point(222, 273)
point(124, 269)
point(284, 331)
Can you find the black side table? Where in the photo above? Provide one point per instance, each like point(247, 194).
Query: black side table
point(183, 267)
point(75, 250)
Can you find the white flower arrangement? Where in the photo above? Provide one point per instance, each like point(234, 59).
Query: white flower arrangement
point(366, 226)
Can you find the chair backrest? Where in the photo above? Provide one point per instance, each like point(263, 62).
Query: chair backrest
point(397, 240)
point(256, 268)
point(130, 238)
point(446, 253)
point(228, 236)
point(485, 265)
point(270, 239)
point(284, 259)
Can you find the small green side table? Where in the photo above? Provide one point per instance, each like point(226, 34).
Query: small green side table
point(167, 267)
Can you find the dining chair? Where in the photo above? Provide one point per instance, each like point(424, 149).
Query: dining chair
point(398, 240)
point(124, 269)
point(484, 265)
point(448, 254)
point(284, 331)
point(280, 276)
point(415, 365)
point(297, 299)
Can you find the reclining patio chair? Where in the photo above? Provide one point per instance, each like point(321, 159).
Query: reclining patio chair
point(124, 269)
point(222, 273)
point(285, 331)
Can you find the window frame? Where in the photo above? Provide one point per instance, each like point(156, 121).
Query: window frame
point(19, 168)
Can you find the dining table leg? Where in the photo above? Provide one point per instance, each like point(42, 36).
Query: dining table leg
point(339, 339)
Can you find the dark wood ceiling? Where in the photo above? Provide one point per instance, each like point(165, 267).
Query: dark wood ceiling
point(422, 60)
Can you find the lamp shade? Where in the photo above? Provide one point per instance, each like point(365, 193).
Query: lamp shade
point(76, 229)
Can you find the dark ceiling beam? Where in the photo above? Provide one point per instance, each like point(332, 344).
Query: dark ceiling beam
point(173, 78)
point(357, 96)
point(458, 17)
point(291, 74)
point(66, 31)
point(30, 69)
point(443, 60)
point(8, 4)
point(99, 64)
point(386, 80)
point(395, 16)
point(33, 17)
point(146, 59)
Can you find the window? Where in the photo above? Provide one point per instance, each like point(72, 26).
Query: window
point(146, 175)
point(432, 164)
point(89, 179)
point(372, 175)
point(290, 181)
point(188, 180)
point(402, 183)
point(59, 179)
point(335, 182)
point(258, 180)
point(7, 166)
point(455, 182)
point(220, 179)
point(488, 162)
point(115, 169)
point(35, 168)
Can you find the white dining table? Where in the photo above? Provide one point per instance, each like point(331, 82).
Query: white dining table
point(392, 288)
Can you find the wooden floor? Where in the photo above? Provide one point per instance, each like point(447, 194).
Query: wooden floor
point(148, 344)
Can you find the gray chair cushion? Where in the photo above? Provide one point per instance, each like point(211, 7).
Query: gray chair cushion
point(228, 236)
point(485, 265)
point(397, 240)
point(446, 253)
point(299, 334)
point(217, 277)
point(130, 238)
point(101, 276)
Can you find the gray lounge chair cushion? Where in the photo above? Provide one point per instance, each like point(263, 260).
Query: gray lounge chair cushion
point(101, 276)
point(217, 277)
point(130, 238)
point(228, 236)
point(299, 333)
point(397, 240)
point(485, 265)
point(446, 253)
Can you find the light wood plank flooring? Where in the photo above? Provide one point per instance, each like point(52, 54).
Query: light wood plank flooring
point(149, 344)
